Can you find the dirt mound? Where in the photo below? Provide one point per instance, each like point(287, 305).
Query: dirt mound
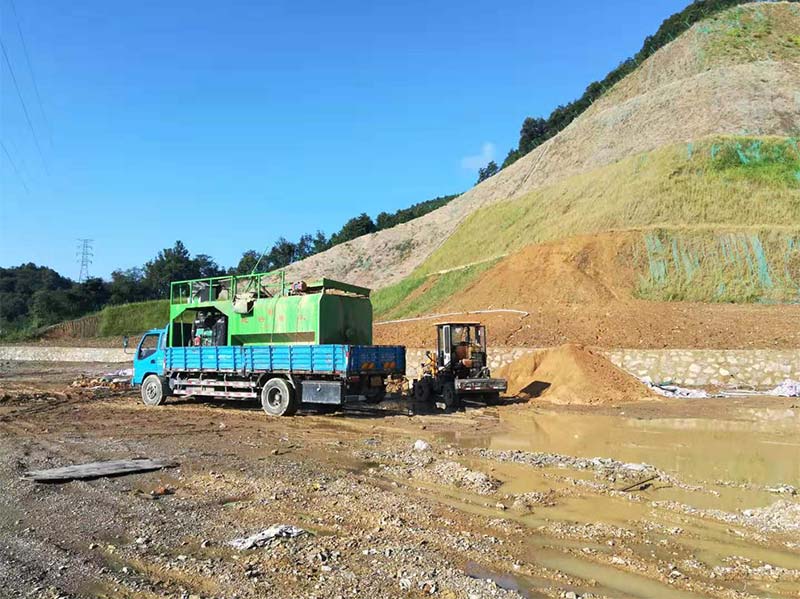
point(706, 88)
point(571, 374)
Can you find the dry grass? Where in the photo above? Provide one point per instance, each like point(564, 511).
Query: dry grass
point(745, 34)
point(696, 183)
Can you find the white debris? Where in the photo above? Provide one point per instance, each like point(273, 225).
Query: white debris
point(787, 388)
point(118, 376)
point(668, 390)
point(420, 445)
point(266, 536)
point(782, 489)
point(781, 516)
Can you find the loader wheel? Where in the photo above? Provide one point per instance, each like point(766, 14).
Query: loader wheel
point(422, 391)
point(491, 399)
point(154, 390)
point(449, 396)
point(278, 399)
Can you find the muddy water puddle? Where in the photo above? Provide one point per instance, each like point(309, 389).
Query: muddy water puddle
point(754, 449)
point(722, 464)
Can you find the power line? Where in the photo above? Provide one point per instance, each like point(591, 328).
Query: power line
point(14, 166)
point(30, 70)
point(24, 107)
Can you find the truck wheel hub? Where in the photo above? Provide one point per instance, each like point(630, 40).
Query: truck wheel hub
point(274, 398)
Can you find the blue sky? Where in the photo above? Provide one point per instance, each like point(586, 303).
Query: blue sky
point(228, 124)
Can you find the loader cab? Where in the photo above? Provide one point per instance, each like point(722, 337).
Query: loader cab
point(149, 357)
point(461, 348)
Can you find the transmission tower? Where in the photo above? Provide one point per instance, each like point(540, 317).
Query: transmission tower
point(84, 255)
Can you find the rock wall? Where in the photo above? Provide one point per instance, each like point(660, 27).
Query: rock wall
point(727, 368)
point(759, 368)
point(691, 367)
point(64, 354)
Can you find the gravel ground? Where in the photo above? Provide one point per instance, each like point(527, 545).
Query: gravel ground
point(383, 516)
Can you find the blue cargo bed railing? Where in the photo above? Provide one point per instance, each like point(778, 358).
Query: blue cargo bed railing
point(321, 359)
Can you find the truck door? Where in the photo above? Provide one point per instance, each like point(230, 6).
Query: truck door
point(149, 358)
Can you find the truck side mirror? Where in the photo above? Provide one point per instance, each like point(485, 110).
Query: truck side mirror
point(429, 355)
point(125, 342)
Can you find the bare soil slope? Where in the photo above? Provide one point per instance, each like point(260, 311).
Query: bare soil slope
point(571, 374)
point(581, 290)
point(735, 74)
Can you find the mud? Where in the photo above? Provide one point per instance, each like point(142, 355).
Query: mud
point(506, 501)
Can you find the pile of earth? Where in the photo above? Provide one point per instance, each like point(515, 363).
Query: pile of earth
point(571, 374)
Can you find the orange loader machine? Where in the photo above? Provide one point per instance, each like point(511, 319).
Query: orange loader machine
point(459, 368)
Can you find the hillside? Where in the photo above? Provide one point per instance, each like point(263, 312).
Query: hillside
point(735, 74)
point(610, 290)
point(733, 181)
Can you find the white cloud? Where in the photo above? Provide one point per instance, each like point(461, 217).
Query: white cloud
point(475, 162)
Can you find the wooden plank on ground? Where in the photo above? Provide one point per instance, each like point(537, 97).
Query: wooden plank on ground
point(97, 470)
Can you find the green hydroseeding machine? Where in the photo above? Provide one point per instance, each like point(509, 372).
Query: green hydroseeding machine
point(255, 336)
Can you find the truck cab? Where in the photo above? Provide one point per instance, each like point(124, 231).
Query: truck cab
point(150, 355)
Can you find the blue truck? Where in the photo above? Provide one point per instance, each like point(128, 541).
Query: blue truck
point(255, 337)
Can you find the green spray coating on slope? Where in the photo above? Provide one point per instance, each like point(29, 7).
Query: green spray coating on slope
point(719, 266)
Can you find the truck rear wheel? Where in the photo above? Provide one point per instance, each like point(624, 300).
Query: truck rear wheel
point(154, 390)
point(375, 396)
point(278, 398)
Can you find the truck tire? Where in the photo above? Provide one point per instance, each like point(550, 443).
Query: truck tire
point(154, 390)
point(422, 390)
point(278, 398)
point(449, 396)
point(375, 397)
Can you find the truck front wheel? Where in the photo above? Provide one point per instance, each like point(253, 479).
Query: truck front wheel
point(278, 399)
point(154, 390)
point(450, 396)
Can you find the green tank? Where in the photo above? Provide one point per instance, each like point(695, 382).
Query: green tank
point(262, 309)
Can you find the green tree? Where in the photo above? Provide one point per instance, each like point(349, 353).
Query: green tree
point(206, 267)
point(129, 286)
point(50, 306)
point(487, 171)
point(533, 133)
point(353, 228)
point(320, 243)
point(177, 264)
point(282, 254)
point(247, 263)
point(89, 296)
point(304, 247)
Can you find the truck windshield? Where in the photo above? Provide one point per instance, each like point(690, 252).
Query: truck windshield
point(148, 346)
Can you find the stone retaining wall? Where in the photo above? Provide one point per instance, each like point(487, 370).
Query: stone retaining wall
point(690, 367)
point(729, 368)
point(64, 354)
